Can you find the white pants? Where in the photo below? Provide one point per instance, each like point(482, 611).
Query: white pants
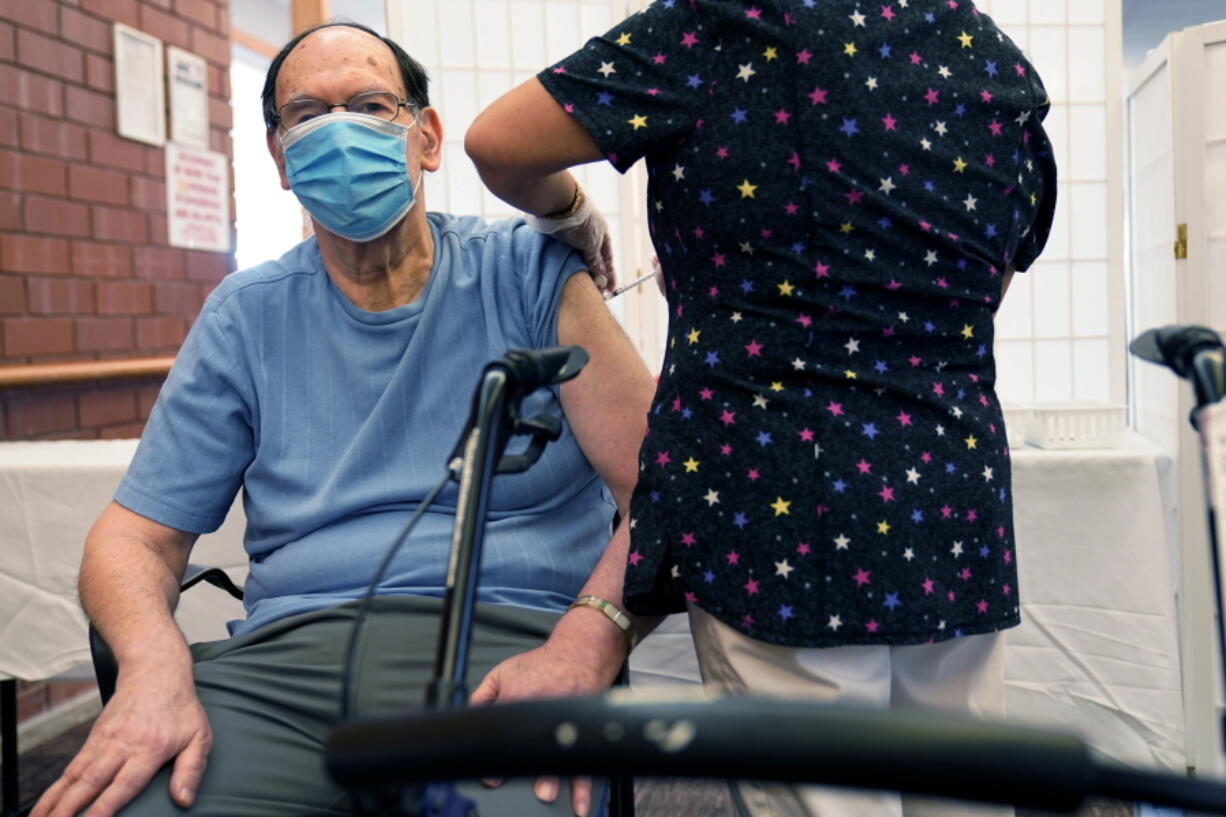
point(962, 675)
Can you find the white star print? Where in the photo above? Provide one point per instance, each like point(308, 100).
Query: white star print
point(852, 346)
point(634, 523)
point(925, 144)
point(930, 258)
point(870, 255)
point(835, 623)
point(841, 542)
point(676, 572)
point(759, 401)
point(783, 568)
point(1022, 117)
point(887, 185)
point(944, 72)
point(744, 245)
point(913, 476)
point(904, 317)
point(798, 364)
point(940, 431)
point(746, 71)
point(956, 549)
point(871, 82)
point(606, 68)
point(856, 18)
point(712, 497)
point(940, 128)
point(987, 474)
point(678, 172)
point(941, 626)
point(736, 317)
point(956, 412)
point(908, 554)
point(970, 202)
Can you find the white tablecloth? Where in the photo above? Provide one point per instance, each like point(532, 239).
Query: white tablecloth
point(50, 495)
point(1098, 650)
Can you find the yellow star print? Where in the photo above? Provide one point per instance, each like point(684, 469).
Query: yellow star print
point(849, 374)
point(883, 527)
point(1033, 200)
point(776, 385)
point(746, 189)
point(771, 53)
point(691, 465)
point(845, 227)
point(781, 506)
point(965, 39)
point(624, 39)
point(693, 336)
point(785, 288)
point(849, 49)
point(638, 121)
point(968, 331)
point(959, 165)
point(971, 442)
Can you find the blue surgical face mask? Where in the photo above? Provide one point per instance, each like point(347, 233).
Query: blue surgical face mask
point(349, 171)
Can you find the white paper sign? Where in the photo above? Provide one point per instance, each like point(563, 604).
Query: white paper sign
point(197, 198)
point(140, 108)
point(189, 97)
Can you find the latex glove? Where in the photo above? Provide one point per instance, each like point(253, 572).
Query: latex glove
point(154, 718)
point(587, 231)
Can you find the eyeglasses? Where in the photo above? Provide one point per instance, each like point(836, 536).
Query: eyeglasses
point(383, 104)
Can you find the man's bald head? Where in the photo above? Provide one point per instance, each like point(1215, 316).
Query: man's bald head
point(340, 43)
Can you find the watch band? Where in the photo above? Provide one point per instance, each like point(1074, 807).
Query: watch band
point(612, 613)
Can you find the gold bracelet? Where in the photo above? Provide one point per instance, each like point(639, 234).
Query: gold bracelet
point(613, 614)
point(569, 211)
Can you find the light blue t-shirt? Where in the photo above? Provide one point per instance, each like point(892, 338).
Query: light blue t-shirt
point(336, 422)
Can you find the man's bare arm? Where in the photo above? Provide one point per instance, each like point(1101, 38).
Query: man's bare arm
point(129, 587)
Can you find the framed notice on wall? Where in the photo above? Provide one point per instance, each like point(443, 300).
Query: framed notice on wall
point(189, 97)
point(140, 107)
point(197, 198)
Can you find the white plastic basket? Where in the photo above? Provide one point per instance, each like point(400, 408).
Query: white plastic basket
point(1075, 425)
point(1017, 420)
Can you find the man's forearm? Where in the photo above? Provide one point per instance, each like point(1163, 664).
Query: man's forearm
point(129, 587)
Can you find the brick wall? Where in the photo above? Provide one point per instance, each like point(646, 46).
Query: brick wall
point(85, 269)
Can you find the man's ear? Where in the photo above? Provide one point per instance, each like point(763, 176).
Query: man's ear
point(274, 150)
point(431, 127)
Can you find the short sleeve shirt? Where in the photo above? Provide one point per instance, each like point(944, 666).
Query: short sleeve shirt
point(835, 190)
point(336, 422)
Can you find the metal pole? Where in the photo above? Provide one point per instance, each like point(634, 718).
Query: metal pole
point(8, 733)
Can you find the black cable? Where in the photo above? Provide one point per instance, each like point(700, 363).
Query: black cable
point(353, 668)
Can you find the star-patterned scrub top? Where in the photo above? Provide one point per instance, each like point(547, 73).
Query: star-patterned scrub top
point(835, 189)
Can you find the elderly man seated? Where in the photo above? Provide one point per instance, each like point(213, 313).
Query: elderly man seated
point(330, 385)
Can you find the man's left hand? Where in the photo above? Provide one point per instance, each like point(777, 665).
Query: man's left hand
point(582, 657)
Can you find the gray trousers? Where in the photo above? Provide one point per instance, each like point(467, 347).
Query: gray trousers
point(272, 696)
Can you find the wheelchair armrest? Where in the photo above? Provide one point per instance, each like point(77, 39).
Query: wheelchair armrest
point(106, 669)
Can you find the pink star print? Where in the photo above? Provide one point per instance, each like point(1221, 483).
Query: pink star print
point(822, 270)
point(872, 626)
point(754, 13)
point(794, 160)
point(982, 606)
point(806, 435)
point(862, 577)
point(833, 166)
point(916, 59)
point(725, 450)
point(706, 394)
point(804, 320)
point(864, 466)
point(718, 259)
point(721, 152)
point(782, 117)
point(635, 558)
point(733, 557)
point(887, 13)
point(663, 458)
point(933, 96)
point(890, 122)
point(834, 408)
point(754, 348)
point(803, 549)
point(818, 96)
point(996, 128)
point(903, 418)
point(689, 39)
point(791, 208)
point(688, 539)
point(886, 493)
point(947, 512)
point(965, 575)
point(728, 417)
point(803, 57)
point(928, 584)
point(925, 457)
point(752, 475)
point(751, 587)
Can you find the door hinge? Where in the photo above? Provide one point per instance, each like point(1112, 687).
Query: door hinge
point(1181, 242)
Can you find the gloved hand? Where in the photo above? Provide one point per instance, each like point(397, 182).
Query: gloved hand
point(586, 230)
